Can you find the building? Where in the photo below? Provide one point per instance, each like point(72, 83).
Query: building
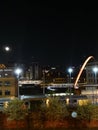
point(33, 72)
point(8, 84)
point(8, 87)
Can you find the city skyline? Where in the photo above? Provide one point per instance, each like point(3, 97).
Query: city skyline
point(52, 34)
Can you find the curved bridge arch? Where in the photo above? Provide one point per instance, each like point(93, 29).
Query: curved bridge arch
point(81, 70)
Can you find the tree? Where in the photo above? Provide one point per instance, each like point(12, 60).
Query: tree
point(16, 110)
point(85, 112)
point(56, 109)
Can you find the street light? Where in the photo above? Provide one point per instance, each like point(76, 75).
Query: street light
point(70, 70)
point(95, 70)
point(18, 71)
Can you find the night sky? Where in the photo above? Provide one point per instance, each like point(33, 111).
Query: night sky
point(53, 34)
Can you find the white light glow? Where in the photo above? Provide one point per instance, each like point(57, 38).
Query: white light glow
point(7, 48)
point(95, 69)
point(70, 70)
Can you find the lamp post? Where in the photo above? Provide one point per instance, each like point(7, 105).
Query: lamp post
point(70, 70)
point(95, 70)
point(18, 71)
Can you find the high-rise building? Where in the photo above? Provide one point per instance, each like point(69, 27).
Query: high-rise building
point(34, 71)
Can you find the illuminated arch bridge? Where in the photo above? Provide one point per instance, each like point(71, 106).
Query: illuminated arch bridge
point(60, 89)
point(81, 70)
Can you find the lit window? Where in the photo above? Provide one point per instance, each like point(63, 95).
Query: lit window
point(6, 74)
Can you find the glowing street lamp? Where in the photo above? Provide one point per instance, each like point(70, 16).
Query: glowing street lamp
point(18, 71)
point(70, 70)
point(95, 70)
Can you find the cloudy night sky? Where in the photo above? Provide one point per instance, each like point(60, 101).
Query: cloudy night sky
point(55, 34)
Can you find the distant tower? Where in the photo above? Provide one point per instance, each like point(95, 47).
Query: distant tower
point(34, 71)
